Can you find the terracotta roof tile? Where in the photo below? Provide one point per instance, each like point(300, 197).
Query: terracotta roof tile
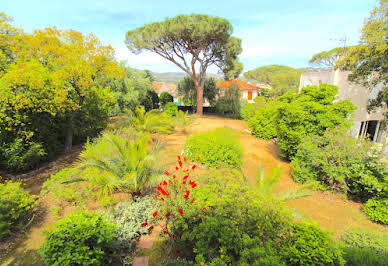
point(243, 85)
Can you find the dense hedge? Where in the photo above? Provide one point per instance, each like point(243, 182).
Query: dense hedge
point(220, 147)
point(80, 239)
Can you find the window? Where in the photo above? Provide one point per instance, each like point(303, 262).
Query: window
point(371, 129)
point(249, 95)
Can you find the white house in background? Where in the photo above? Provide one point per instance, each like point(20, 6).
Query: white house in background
point(248, 91)
point(365, 124)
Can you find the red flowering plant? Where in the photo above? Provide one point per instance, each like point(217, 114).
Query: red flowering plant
point(173, 194)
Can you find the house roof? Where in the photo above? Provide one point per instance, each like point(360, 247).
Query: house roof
point(164, 86)
point(236, 82)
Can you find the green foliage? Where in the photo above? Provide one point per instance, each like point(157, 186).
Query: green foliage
point(15, 205)
point(368, 61)
point(309, 245)
point(343, 163)
point(128, 217)
point(281, 78)
point(134, 89)
point(183, 120)
point(220, 147)
point(310, 112)
point(230, 223)
point(165, 98)
point(365, 248)
point(377, 209)
point(53, 92)
point(61, 187)
point(170, 109)
point(201, 39)
point(261, 117)
point(229, 103)
point(150, 122)
point(20, 155)
point(327, 59)
point(186, 89)
point(80, 239)
point(127, 165)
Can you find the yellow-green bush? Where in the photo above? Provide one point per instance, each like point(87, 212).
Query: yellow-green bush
point(15, 204)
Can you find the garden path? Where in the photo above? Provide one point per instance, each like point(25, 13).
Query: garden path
point(332, 212)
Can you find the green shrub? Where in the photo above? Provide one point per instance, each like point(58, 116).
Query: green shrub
point(229, 222)
point(360, 238)
point(310, 112)
point(220, 147)
point(365, 248)
point(80, 239)
point(309, 245)
point(228, 103)
point(165, 98)
point(377, 209)
point(261, 117)
point(128, 217)
point(170, 108)
point(124, 164)
point(61, 186)
point(343, 163)
point(19, 156)
point(15, 204)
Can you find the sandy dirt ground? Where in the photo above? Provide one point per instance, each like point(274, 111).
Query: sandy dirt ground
point(331, 212)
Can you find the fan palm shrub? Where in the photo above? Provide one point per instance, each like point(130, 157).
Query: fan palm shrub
point(125, 164)
point(151, 122)
point(183, 120)
point(266, 184)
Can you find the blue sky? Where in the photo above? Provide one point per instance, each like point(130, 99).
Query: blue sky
point(286, 32)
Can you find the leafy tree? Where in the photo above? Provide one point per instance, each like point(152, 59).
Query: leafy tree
point(369, 59)
point(310, 112)
point(186, 88)
point(207, 40)
point(281, 78)
point(165, 98)
point(134, 89)
point(327, 59)
point(53, 90)
point(229, 103)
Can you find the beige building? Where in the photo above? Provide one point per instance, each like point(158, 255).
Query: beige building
point(248, 91)
point(365, 124)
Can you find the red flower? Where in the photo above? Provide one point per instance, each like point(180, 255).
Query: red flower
point(164, 183)
point(172, 236)
point(176, 168)
point(185, 159)
point(179, 158)
point(168, 214)
point(144, 224)
point(180, 163)
point(165, 232)
point(184, 182)
point(174, 176)
point(178, 251)
point(198, 159)
point(150, 229)
point(180, 236)
point(154, 214)
point(193, 167)
point(180, 211)
point(162, 199)
point(166, 173)
point(160, 188)
point(187, 194)
point(157, 195)
point(193, 185)
point(185, 177)
point(192, 201)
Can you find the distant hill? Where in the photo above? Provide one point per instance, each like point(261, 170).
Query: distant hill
point(175, 77)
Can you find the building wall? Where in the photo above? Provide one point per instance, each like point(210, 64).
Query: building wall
point(358, 94)
point(245, 95)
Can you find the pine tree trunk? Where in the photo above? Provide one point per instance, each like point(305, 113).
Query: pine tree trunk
point(199, 101)
point(69, 139)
